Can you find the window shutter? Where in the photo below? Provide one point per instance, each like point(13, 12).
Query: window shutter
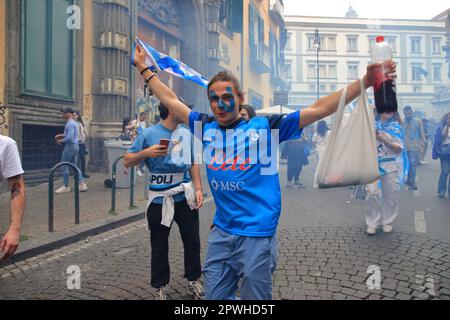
point(237, 15)
point(251, 26)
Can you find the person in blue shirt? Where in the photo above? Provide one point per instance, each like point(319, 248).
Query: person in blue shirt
point(246, 189)
point(71, 149)
point(175, 195)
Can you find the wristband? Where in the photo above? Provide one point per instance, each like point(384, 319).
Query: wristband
point(150, 78)
point(142, 72)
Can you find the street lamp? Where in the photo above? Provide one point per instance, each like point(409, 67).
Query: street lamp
point(316, 47)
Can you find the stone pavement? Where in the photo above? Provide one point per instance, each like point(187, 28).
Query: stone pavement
point(94, 205)
point(313, 263)
point(323, 253)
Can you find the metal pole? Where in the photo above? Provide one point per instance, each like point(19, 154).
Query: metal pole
point(113, 187)
point(132, 206)
point(77, 174)
point(50, 201)
point(77, 195)
point(318, 75)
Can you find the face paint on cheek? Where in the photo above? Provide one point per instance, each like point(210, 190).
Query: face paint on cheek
point(232, 103)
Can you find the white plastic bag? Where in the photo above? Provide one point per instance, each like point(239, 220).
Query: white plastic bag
point(350, 157)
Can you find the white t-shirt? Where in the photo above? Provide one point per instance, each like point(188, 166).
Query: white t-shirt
point(10, 164)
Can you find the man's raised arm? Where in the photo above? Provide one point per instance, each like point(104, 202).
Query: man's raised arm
point(329, 105)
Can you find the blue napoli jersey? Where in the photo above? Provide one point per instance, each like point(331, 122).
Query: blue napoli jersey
point(162, 168)
point(246, 190)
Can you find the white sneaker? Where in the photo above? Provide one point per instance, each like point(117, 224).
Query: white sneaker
point(139, 173)
point(83, 187)
point(388, 228)
point(196, 290)
point(62, 190)
point(161, 294)
point(371, 231)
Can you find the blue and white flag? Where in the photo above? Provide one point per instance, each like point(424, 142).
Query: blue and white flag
point(161, 61)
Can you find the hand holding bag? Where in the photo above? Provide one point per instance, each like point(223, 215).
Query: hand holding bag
point(350, 156)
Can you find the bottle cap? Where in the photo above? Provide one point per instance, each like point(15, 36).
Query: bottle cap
point(380, 39)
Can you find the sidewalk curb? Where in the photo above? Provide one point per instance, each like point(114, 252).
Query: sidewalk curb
point(75, 234)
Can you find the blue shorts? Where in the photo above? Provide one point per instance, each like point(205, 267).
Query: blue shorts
point(230, 258)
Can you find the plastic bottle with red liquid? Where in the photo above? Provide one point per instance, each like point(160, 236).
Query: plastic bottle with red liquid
point(384, 88)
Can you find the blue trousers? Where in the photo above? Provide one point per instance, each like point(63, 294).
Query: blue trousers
point(70, 154)
point(414, 160)
point(445, 175)
point(231, 258)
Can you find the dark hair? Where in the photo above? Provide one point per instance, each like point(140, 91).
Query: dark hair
point(322, 128)
point(163, 111)
point(444, 121)
point(407, 108)
point(125, 123)
point(251, 112)
point(143, 114)
point(80, 119)
point(226, 76)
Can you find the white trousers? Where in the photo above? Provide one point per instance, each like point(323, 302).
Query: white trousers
point(382, 201)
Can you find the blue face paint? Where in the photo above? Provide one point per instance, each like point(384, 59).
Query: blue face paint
point(226, 102)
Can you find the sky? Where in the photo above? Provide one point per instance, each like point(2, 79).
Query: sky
point(374, 9)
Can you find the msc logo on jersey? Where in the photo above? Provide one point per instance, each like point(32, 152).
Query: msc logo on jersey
point(227, 186)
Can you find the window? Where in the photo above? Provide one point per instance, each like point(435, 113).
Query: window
point(353, 71)
point(323, 70)
point(417, 89)
point(323, 88)
point(436, 42)
point(332, 71)
point(312, 87)
point(256, 27)
point(417, 72)
point(416, 44)
point(288, 70)
point(275, 54)
point(47, 43)
point(256, 100)
point(437, 77)
point(352, 44)
point(331, 45)
point(225, 14)
point(288, 41)
point(393, 43)
point(333, 88)
point(312, 70)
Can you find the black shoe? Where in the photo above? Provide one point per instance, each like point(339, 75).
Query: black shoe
point(86, 176)
point(413, 187)
point(441, 195)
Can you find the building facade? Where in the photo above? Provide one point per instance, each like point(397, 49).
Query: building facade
point(73, 53)
point(251, 44)
point(345, 52)
point(441, 104)
point(76, 53)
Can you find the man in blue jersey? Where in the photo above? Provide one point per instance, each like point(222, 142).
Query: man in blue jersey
point(246, 189)
point(175, 195)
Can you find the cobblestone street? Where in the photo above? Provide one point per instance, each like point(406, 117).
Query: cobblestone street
point(324, 253)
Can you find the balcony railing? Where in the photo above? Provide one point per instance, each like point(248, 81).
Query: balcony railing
point(260, 58)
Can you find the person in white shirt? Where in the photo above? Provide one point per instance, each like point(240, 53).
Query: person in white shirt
point(11, 170)
point(382, 195)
